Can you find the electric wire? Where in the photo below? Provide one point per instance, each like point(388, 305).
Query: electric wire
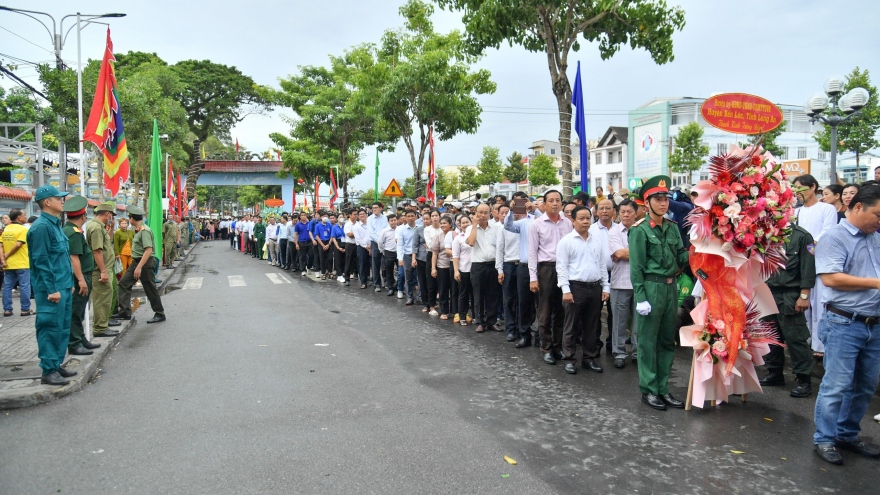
point(25, 39)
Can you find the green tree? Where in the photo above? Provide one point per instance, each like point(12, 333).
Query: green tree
point(447, 184)
point(515, 171)
point(467, 179)
point(555, 27)
point(768, 140)
point(542, 172)
point(489, 167)
point(19, 105)
point(690, 153)
point(859, 133)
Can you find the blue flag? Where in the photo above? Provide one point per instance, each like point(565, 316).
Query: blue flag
point(577, 99)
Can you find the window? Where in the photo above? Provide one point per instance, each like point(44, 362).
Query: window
point(802, 152)
point(577, 172)
point(620, 156)
point(598, 158)
point(559, 172)
point(704, 175)
point(598, 184)
point(785, 152)
point(552, 151)
point(610, 157)
point(823, 155)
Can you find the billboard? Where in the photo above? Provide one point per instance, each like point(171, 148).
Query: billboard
point(647, 155)
point(794, 168)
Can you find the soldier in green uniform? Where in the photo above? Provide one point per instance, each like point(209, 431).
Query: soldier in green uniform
point(791, 290)
point(259, 237)
point(170, 238)
point(82, 261)
point(656, 256)
point(142, 267)
point(51, 280)
point(104, 276)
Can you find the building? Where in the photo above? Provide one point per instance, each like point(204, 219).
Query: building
point(608, 160)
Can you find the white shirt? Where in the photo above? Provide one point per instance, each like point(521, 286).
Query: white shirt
point(506, 247)
point(816, 219)
point(282, 230)
point(387, 239)
point(375, 225)
point(272, 232)
point(361, 235)
point(483, 249)
point(601, 233)
point(348, 228)
point(618, 238)
point(581, 260)
point(290, 232)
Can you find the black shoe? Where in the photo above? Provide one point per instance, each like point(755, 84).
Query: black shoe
point(591, 365)
point(53, 378)
point(347, 283)
point(671, 401)
point(549, 358)
point(523, 342)
point(802, 389)
point(653, 402)
point(498, 327)
point(635, 360)
point(619, 363)
point(828, 453)
point(557, 355)
point(113, 323)
point(390, 292)
point(859, 447)
point(121, 316)
point(410, 302)
point(107, 333)
point(66, 374)
point(80, 351)
point(89, 345)
point(537, 342)
point(773, 378)
point(157, 318)
point(511, 337)
point(571, 368)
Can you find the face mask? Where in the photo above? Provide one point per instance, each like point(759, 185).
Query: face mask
point(324, 219)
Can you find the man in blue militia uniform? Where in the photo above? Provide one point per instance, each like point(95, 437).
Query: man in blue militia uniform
point(51, 280)
point(848, 260)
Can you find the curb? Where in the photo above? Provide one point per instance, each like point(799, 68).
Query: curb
point(87, 366)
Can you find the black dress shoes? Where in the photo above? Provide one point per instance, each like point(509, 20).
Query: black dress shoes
point(772, 379)
point(511, 337)
point(859, 447)
point(66, 374)
point(828, 453)
point(121, 316)
point(53, 378)
point(571, 368)
point(802, 389)
point(107, 333)
point(89, 345)
point(549, 358)
point(671, 401)
point(523, 342)
point(113, 323)
point(557, 355)
point(410, 302)
point(390, 292)
point(156, 318)
point(619, 363)
point(653, 402)
point(591, 365)
point(80, 351)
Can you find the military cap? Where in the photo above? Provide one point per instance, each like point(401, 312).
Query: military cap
point(659, 184)
point(134, 210)
point(75, 206)
point(106, 206)
point(48, 191)
point(636, 196)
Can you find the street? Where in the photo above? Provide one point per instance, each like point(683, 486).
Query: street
point(261, 381)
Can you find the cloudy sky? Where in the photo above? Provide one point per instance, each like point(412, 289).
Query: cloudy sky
point(782, 50)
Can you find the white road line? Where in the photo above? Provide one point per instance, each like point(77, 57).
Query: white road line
point(276, 278)
point(286, 280)
point(193, 283)
point(236, 281)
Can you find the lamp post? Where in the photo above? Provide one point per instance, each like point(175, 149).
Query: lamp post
point(58, 40)
point(838, 108)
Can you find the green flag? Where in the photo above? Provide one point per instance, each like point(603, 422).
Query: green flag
point(154, 204)
point(376, 185)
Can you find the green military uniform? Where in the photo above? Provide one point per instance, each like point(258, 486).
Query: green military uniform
point(78, 246)
point(50, 273)
point(142, 241)
point(184, 235)
point(786, 286)
point(169, 242)
point(656, 255)
point(102, 292)
point(260, 238)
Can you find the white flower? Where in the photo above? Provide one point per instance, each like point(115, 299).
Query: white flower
point(732, 211)
point(727, 246)
point(754, 190)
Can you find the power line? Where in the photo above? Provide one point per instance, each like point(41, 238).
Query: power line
point(25, 39)
point(19, 60)
point(21, 82)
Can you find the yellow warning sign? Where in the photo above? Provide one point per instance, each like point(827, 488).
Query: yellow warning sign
point(393, 190)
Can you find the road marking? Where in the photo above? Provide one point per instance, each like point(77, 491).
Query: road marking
point(193, 283)
point(276, 278)
point(236, 281)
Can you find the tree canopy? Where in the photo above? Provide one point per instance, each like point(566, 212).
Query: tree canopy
point(690, 153)
point(489, 167)
point(542, 172)
point(515, 171)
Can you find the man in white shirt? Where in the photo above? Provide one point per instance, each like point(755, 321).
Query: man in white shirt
point(282, 242)
point(375, 224)
point(272, 232)
point(621, 286)
point(388, 244)
point(482, 237)
point(362, 239)
point(599, 230)
point(405, 257)
point(350, 246)
point(582, 274)
point(507, 264)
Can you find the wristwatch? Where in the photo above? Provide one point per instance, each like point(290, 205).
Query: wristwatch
point(804, 296)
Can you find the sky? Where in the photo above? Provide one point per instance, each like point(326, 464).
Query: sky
point(782, 50)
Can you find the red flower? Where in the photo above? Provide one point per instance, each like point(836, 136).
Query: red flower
point(756, 160)
point(717, 211)
point(723, 178)
point(748, 240)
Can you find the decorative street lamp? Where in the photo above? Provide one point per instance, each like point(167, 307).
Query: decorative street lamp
point(838, 108)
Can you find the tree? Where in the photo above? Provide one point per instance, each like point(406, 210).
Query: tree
point(768, 141)
point(542, 172)
point(421, 79)
point(18, 105)
point(690, 152)
point(859, 133)
point(515, 171)
point(489, 167)
point(467, 179)
point(555, 26)
point(447, 184)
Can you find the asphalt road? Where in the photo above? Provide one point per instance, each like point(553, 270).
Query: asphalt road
point(263, 383)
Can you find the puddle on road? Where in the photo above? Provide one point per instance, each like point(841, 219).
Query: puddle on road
point(169, 288)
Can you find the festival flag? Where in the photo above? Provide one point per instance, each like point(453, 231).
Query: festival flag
point(181, 197)
point(429, 187)
point(577, 99)
point(317, 198)
point(376, 179)
point(236, 145)
point(334, 191)
point(204, 152)
point(293, 206)
point(278, 152)
point(104, 127)
point(185, 201)
point(171, 187)
point(154, 204)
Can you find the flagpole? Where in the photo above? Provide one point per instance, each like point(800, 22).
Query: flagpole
point(376, 181)
point(79, 105)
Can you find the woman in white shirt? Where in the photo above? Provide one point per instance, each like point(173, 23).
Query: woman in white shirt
point(461, 263)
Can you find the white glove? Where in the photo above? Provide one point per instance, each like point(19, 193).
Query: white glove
point(644, 308)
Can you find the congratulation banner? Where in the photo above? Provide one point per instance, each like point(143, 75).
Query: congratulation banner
point(741, 113)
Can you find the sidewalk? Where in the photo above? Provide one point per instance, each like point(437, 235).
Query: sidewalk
point(19, 365)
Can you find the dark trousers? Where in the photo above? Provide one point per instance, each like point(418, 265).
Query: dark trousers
point(430, 283)
point(422, 276)
point(510, 301)
point(290, 258)
point(338, 261)
point(363, 264)
point(390, 269)
point(580, 320)
point(282, 252)
point(409, 274)
point(325, 258)
point(77, 332)
point(550, 312)
point(444, 289)
point(453, 300)
point(484, 278)
point(794, 333)
point(302, 255)
point(350, 259)
point(376, 256)
point(465, 294)
point(148, 281)
point(525, 314)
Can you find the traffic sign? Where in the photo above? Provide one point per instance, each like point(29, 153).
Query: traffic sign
point(393, 190)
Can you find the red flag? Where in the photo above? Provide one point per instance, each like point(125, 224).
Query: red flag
point(317, 198)
point(432, 172)
point(180, 200)
point(236, 145)
point(278, 152)
point(104, 127)
point(171, 187)
point(334, 190)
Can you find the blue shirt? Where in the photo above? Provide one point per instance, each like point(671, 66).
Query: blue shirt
point(302, 232)
point(322, 231)
point(520, 227)
point(338, 233)
point(845, 249)
point(49, 256)
point(404, 236)
point(375, 225)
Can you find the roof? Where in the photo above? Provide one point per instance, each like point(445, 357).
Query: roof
point(242, 166)
point(14, 193)
point(614, 135)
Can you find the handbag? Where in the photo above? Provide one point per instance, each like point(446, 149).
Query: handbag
point(117, 267)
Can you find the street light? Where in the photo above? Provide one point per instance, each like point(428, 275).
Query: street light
point(58, 44)
point(842, 108)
